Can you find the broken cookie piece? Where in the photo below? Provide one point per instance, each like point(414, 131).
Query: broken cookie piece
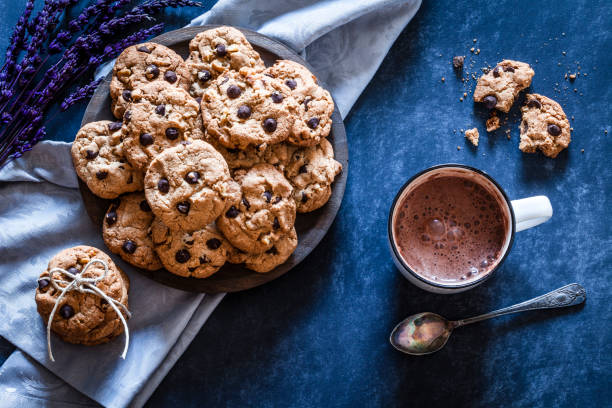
point(492, 123)
point(544, 126)
point(499, 87)
point(472, 135)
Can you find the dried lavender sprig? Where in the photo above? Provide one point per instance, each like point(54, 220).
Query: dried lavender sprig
point(154, 6)
point(83, 92)
point(16, 42)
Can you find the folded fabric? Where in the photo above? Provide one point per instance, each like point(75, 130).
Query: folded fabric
point(41, 212)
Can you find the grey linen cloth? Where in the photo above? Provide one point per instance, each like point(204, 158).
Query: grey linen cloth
point(41, 212)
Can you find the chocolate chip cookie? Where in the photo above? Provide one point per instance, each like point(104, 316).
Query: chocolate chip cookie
point(198, 254)
point(160, 116)
point(126, 228)
point(140, 65)
point(189, 186)
point(544, 126)
point(215, 51)
point(247, 108)
point(99, 160)
point(83, 318)
point(499, 87)
point(278, 155)
point(265, 213)
point(314, 104)
point(273, 257)
point(311, 172)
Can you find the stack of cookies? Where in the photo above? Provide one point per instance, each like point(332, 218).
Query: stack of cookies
point(211, 158)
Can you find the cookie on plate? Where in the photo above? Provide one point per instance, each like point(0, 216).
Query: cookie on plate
point(544, 126)
point(247, 108)
point(126, 228)
point(215, 51)
point(269, 259)
point(314, 104)
point(99, 160)
point(198, 254)
point(311, 172)
point(189, 186)
point(161, 116)
point(278, 155)
point(265, 213)
point(499, 87)
point(142, 64)
point(83, 318)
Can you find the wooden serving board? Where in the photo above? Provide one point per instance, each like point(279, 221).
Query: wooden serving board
point(311, 227)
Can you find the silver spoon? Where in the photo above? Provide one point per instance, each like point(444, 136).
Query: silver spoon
point(426, 333)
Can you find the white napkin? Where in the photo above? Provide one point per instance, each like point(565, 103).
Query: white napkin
point(41, 212)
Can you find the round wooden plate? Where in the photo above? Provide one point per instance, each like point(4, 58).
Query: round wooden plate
point(311, 227)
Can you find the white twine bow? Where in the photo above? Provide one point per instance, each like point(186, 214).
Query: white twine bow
point(85, 285)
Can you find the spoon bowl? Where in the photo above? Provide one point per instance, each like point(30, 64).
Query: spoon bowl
point(421, 333)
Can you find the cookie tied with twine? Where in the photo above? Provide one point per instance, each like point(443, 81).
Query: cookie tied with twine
point(83, 298)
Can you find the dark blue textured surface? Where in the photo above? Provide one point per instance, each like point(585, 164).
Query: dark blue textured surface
point(318, 335)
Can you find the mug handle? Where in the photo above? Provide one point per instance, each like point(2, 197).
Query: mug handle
point(531, 211)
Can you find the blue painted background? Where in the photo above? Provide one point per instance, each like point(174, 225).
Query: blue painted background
point(318, 335)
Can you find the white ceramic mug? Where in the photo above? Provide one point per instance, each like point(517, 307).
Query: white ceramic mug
point(523, 214)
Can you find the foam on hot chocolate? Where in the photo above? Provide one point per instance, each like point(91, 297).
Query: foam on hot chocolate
point(450, 230)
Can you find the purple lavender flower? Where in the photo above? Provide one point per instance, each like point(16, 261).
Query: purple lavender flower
point(84, 92)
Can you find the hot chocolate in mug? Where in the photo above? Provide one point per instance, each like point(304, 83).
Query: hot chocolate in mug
point(451, 227)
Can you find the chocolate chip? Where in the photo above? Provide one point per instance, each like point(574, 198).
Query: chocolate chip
point(144, 206)
point(272, 251)
point(232, 212)
point(160, 110)
point(143, 48)
point(127, 116)
point(304, 197)
point(73, 270)
point(303, 169)
point(127, 95)
point(204, 75)
point(130, 179)
point(129, 247)
point(267, 195)
point(192, 177)
point(204, 259)
point(233, 151)
point(213, 243)
point(269, 125)
point(183, 207)
point(151, 71)
point(534, 103)
point(458, 62)
point(278, 199)
point(170, 76)
point(43, 283)
point(246, 203)
point(496, 73)
point(111, 217)
point(182, 256)
point(490, 101)
point(192, 268)
point(233, 91)
point(198, 100)
point(66, 311)
point(220, 50)
point(244, 112)
point(554, 129)
point(163, 185)
point(172, 133)
point(276, 224)
point(90, 154)
point(277, 97)
point(508, 69)
point(102, 174)
point(291, 83)
point(306, 102)
point(114, 126)
point(313, 123)
point(190, 242)
point(146, 139)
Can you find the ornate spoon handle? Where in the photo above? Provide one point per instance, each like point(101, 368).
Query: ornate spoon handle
point(568, 295)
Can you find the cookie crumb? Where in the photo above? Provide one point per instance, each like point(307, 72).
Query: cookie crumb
point(443, 79)
point(472, 135)
point(472, 49)
point(492, 123)
point(461, 99)
point(477, 51)
point(474, 40)
point(458, 147)
point(508, 134)
point(572, 77)
point(581, 150)
point(458, 62)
